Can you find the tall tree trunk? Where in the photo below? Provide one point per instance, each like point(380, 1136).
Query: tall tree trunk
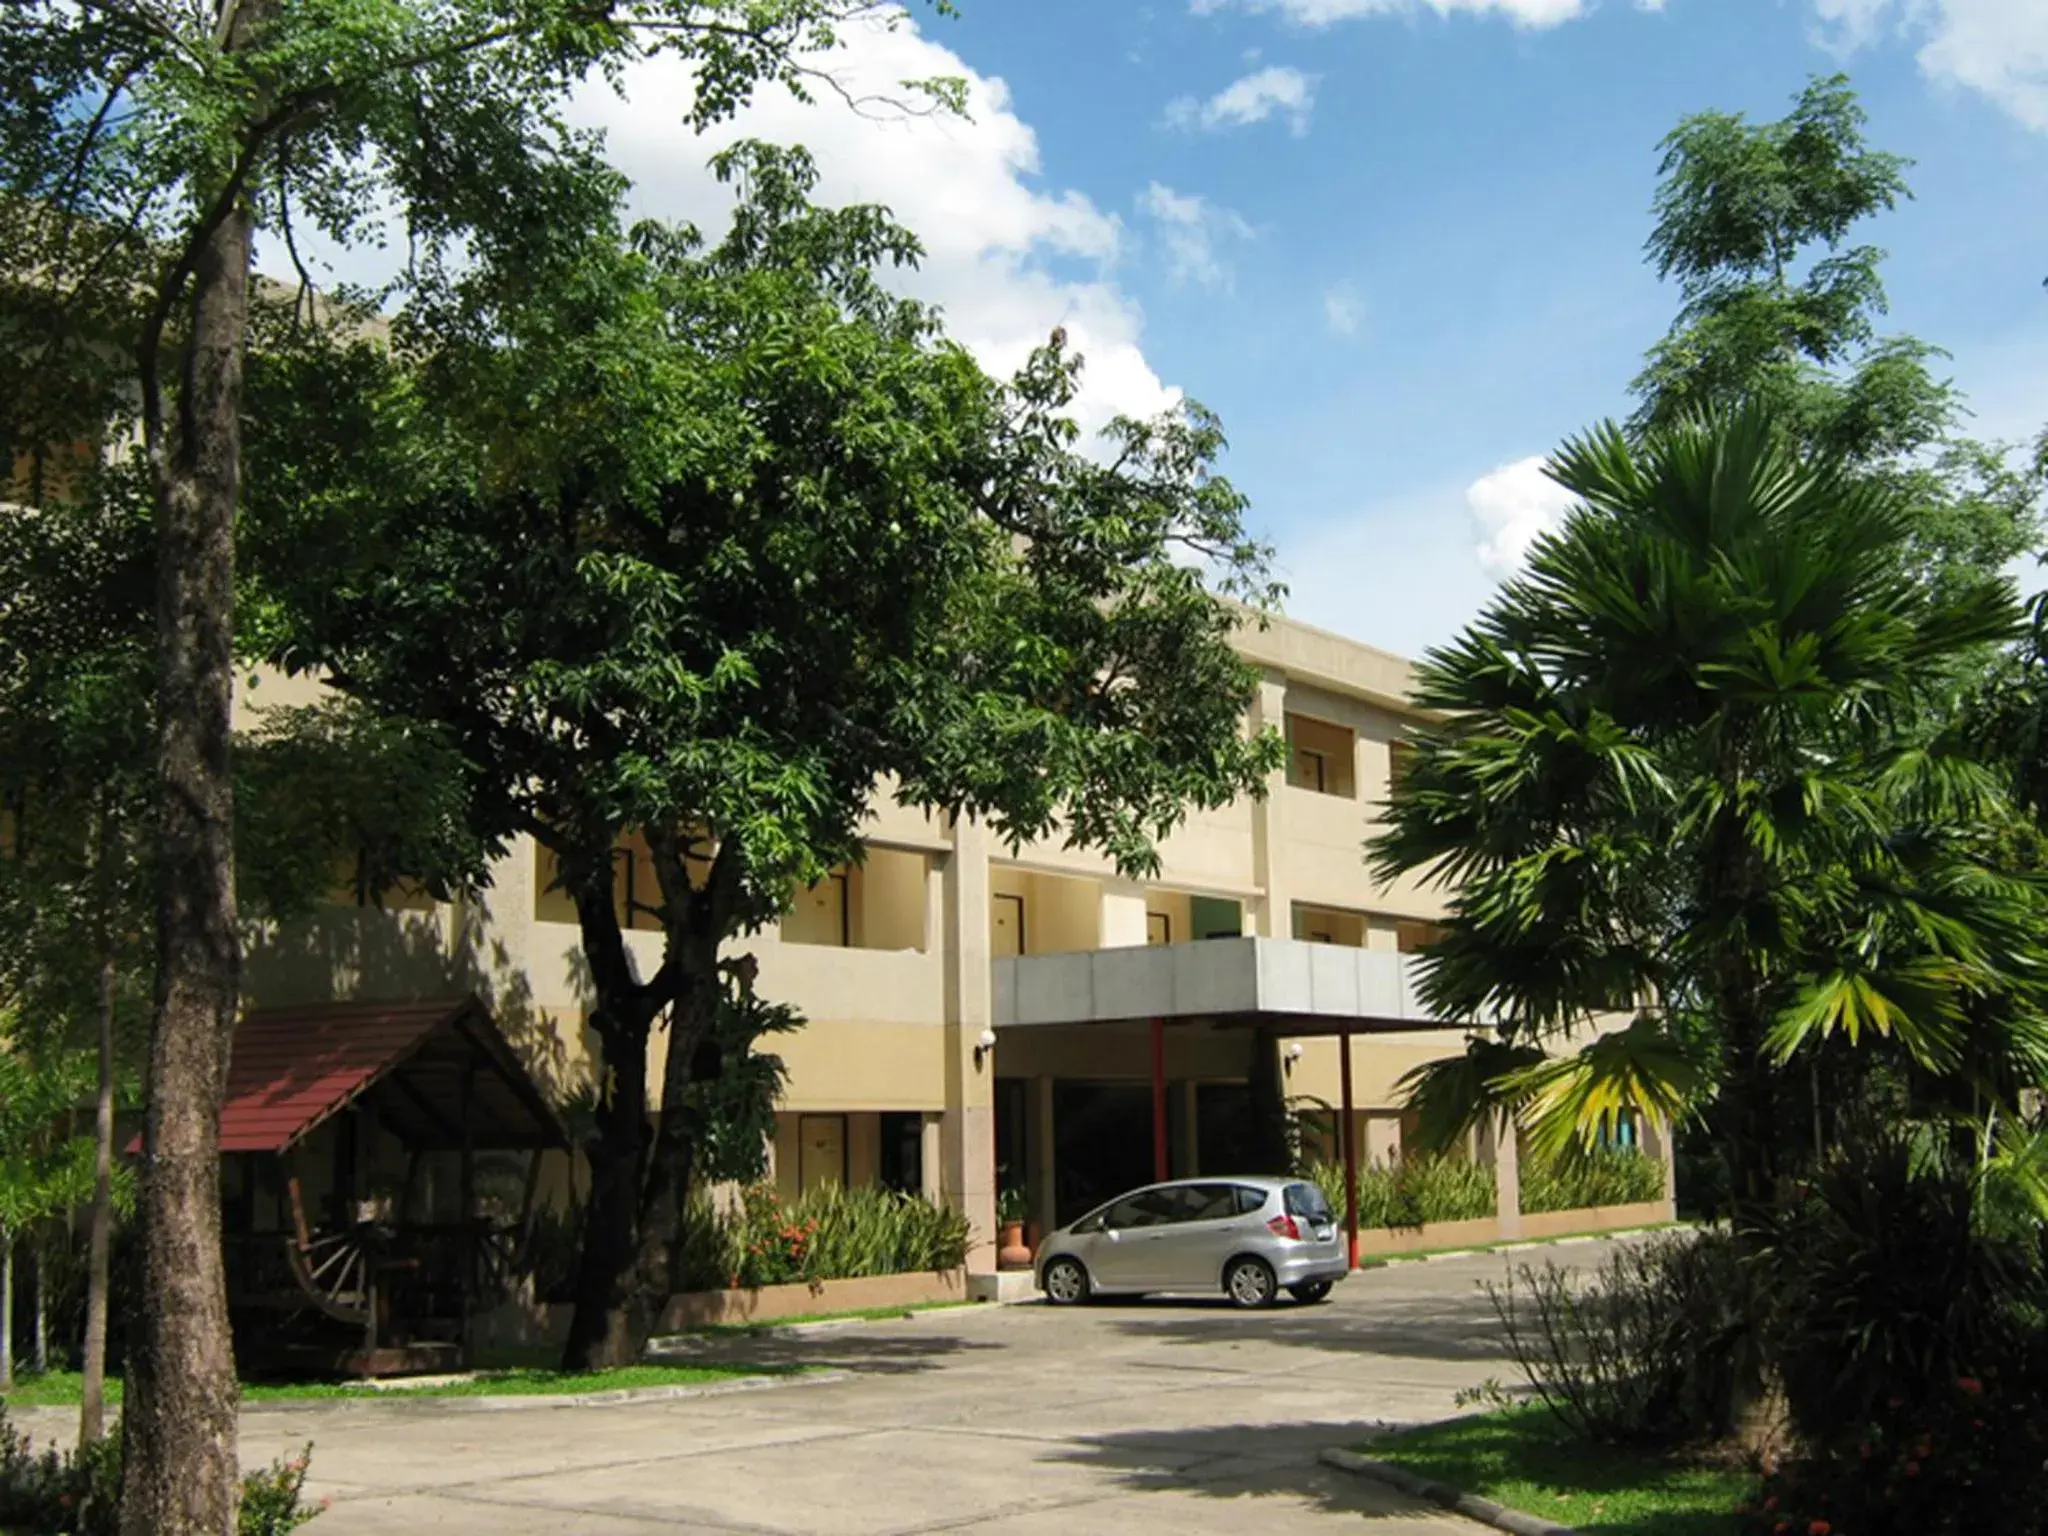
point(92, 1401)
point(6, 1308)
point(181, 1476)
point(608, 1326)
point(665, 1198)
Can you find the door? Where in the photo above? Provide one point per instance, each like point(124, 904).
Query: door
point(821, 1151)
point(1132, 1251)
point(1006, 926)
point(1205, 1235)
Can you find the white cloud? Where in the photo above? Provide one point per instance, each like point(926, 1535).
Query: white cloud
point(1322, 13)
point(1998, 48)
point(1190, 228)
point(1275, 90)
point(1007, 258)
point(1343, 309)
point(1512, 507)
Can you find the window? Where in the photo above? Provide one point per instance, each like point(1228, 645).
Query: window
point(1215, 917)
point(1412, 937)
point(1147, 1208)
point(821, 913)
point(902, 1152)
point(1400, 759)
point(1308, 1202)
point(1320, 757)
point(1327, 925)
point(1249, 1201)
point(1158, 928)
point(1208, 1202)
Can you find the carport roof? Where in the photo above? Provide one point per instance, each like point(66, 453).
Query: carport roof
point(1300, 988)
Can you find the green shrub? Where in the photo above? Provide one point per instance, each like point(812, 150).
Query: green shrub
point(1607, 1176)
point(1648, 1353)
point(1408, 1191)
point(78, 1493)
point(826, 1234)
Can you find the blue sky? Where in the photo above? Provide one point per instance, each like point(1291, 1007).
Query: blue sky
point(1397, 244)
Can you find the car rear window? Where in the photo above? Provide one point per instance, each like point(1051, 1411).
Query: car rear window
point(1307, 1201)
point(1249, 1199)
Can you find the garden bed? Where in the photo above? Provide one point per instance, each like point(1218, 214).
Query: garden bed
point(1524, 1459)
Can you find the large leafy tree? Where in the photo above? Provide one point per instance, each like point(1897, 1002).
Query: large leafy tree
point(1683, 778)
point(1757, 224)
point(143, 148)
point(715, 544)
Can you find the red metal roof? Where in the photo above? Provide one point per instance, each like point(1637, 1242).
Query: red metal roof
point(293, 1067)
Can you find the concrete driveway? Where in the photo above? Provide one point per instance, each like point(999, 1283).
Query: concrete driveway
point(1174, 1416)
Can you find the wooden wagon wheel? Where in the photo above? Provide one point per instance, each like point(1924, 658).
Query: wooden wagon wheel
point(333, 1269)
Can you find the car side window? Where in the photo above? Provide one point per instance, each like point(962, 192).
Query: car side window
point(1209, 1202)
point(1249, 1200)
point(1147, 1208)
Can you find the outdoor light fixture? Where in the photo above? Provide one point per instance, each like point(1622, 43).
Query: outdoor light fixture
point(984, 1045)
point(1293, 1053)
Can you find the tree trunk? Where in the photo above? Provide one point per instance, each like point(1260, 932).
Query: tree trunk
point(6, 1309)
point(609, 1326)
point(39, 1359)
point(92, 1401)
point(181, 1476)
point(666, 1198)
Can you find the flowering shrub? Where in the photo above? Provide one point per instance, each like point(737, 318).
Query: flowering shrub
point(78, 1493)
point(826, 1234)
point(1971, 1460)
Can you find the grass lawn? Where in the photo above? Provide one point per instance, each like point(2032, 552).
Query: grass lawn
point(60, 1388)
point(1522, 1458)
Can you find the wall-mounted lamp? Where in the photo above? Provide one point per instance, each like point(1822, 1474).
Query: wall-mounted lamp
point(1293, 1053)
point(984, 1045)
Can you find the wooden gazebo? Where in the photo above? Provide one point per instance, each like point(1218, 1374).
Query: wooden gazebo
point(359, 1237)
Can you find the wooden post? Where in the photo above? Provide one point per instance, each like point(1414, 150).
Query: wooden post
point(1349, 1130)
point(1161, 1169)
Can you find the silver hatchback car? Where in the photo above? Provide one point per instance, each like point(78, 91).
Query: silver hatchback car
point(1249, 1237)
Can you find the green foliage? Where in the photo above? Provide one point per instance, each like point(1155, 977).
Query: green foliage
point(1885, 1285)
point(1645, 1352)
point(1521, 1458)
point(1753, 221)
point(77, 1493)
point(1966, 1457)
point(1685, 774)
point(1408, 1191)
point(825, 1234)
point(1582, 1180)
point(712, 543)
point(46, 1168)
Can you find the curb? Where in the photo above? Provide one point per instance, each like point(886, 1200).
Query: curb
point(1485, 1511)
point(1515, 1245)
point(428, 1402)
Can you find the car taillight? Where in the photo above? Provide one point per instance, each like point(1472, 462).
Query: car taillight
point(1284, 1226)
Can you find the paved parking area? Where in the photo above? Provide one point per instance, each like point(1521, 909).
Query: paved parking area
point(1123, 1418)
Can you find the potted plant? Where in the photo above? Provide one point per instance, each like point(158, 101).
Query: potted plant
point(1011, 1249)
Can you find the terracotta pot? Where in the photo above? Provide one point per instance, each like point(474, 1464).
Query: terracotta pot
point(1011, 1251)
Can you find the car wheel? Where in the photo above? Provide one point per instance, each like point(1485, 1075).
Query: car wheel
point(1309, 1290)
point(1065, 1282)
point(1249, 1282)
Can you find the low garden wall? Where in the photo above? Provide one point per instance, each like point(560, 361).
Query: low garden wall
point(772, 1303)
point(1375, 1242)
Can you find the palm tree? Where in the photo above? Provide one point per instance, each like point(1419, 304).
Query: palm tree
point(1694, 773)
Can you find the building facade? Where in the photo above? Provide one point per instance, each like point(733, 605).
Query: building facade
point(979, 1016)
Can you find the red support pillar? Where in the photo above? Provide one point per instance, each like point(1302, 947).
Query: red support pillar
point(1349, 1130)
point(1160, 1166)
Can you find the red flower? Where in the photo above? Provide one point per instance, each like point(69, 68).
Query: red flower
point(1782, 1527)
point(1819, 1528)
point(1970, 1384)
point(1770, 1504)
point(1912, 1469)
point(1976, 1423)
